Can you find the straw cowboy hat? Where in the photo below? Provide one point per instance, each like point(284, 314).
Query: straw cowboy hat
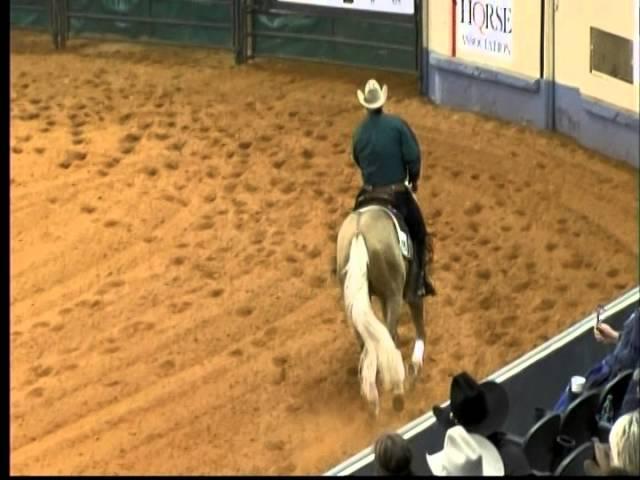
point(479, 408)
point(373, 96)
point(466, 454)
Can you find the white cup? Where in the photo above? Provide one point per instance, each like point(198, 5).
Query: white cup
point(577, 384)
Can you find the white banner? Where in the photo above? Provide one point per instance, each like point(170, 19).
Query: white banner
point(404, 7)
point(485, 26)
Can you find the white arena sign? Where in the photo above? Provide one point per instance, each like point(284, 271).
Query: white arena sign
point(485, 26)
point(404, 7)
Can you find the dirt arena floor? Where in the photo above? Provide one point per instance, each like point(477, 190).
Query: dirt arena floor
point(173, 225)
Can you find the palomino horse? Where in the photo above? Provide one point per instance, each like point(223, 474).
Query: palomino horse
point(370, 263)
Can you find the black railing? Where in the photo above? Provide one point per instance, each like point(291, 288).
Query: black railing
point(245, 35)
point(410, 24)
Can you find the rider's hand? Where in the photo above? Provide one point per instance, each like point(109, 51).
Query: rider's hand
point(605, 334)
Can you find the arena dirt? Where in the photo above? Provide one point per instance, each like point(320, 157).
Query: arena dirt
point(173, 225)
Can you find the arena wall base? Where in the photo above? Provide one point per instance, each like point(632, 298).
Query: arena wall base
point(535, 102)
point(454, 82)
point(597, 125)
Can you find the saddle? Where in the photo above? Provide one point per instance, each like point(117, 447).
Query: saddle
point(383, 199)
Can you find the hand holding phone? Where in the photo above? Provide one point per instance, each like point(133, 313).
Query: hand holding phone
point(599, 312)
point(603, 332)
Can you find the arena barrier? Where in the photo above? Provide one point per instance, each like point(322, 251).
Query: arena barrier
point(31, 14)
point(209, 23)
point(318, 31)
point(534, 380)
point(252, 28)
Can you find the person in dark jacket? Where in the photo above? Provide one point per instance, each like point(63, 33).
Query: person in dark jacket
point(388, 154)
point(482, 409)
point(631, 399)
point(625, 356)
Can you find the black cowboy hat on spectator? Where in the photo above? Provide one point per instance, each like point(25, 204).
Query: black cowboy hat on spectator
point(479, 407)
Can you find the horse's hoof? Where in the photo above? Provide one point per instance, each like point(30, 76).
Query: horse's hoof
point(398, 402)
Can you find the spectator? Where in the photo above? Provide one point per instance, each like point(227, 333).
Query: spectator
point(466, 454)
point(482, 409)
point(622, 455)
point(625, 444)
point(479, 408)
point(631, 400)
point(626, 355)
point(392, 455)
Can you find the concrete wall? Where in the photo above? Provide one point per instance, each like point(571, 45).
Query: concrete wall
point(598, 110)
point(545, 78)
point(526, 33)
point(573, 20)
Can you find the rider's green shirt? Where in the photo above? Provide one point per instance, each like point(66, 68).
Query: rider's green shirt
point(386, 150)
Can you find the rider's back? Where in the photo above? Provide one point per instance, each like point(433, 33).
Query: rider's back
point(380, 147)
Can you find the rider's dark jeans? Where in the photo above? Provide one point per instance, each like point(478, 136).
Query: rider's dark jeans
point(407, 206)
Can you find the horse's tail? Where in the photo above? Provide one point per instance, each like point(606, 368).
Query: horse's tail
point(379, 350)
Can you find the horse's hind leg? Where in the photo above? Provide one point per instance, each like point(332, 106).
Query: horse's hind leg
point(392, 310)
point(417, 358)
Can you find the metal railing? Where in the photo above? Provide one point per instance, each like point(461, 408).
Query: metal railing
point(251, 35)
point(60, 15)
point(244, 36)
point(34, 6)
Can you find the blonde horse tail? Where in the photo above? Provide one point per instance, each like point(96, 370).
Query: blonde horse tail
point(379, 350)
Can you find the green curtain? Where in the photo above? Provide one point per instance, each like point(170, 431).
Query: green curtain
point(330, 48)
point(158, 10)
point(29, 13)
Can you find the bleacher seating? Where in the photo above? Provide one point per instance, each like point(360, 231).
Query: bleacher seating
point(573, 464)
point(579, 421)
point(539, 443)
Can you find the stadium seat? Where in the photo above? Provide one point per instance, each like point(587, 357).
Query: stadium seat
point(579, 421)
point(537, 473)
point(512, 453)
point(573, 464)
point(540, 443)
point(604, 428)
point(617, 388)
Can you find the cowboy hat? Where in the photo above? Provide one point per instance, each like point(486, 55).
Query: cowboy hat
point(373, 96)
point(479, 408)
point(466, 454)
